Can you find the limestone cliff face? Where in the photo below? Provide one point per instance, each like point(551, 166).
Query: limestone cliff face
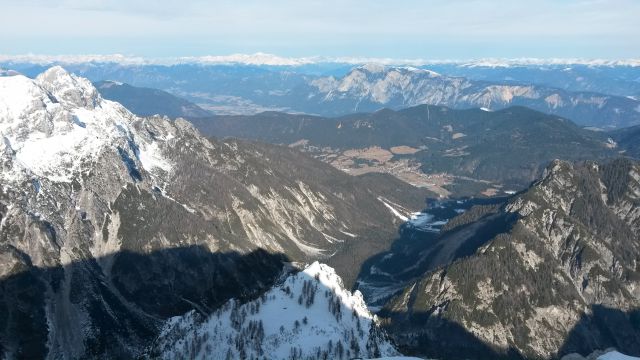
point(111, 223)
point(562, 278)
point(371, 87)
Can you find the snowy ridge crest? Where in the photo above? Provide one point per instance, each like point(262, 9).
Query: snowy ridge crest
point(308, 316)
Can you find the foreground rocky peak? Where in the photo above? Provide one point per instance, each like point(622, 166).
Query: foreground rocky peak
point(309, 315)
point(560, 276)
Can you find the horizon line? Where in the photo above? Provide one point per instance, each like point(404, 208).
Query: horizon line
point(267, 59)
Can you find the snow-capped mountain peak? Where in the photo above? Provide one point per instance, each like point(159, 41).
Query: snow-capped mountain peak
point(69, 89)
point(54, 126)
point(308, 316)
point(373, 68)
point(376, 69)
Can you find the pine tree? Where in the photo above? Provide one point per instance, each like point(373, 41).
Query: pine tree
point(339, 349)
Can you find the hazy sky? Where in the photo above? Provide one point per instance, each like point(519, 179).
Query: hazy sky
point(430, 29)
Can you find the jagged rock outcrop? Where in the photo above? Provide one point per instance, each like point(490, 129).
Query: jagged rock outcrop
point(371, 87)
point(562, 278)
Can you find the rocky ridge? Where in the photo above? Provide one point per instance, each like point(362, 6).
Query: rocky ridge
point(111, 223)
point(561, 278)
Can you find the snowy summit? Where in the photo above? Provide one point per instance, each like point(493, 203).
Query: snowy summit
point(56, 125)
point(308, 316)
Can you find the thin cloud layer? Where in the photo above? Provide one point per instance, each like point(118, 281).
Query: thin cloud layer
point(409, 28)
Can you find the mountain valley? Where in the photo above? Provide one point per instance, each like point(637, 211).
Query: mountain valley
point(427, 231)
point(450, 152)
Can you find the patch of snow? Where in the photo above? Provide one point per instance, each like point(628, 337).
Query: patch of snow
point(373, 68)
point(331, 239)
point(393, 210)
point(374, 270)
point(425, 222)
point(151, 158)
point(349, 234)
point(110, 83)
point(186, 207)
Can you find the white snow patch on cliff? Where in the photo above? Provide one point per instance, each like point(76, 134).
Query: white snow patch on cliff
point(151, 158)
point(393, 210)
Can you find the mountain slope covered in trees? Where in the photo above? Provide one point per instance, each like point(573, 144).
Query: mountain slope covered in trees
point(510, 146)
point(558, 276)
point(148, 102)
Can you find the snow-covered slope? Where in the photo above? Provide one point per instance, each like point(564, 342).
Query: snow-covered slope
point(308, 316)
point(57, 126)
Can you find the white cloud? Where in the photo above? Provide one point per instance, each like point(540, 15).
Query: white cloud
point(270, 59)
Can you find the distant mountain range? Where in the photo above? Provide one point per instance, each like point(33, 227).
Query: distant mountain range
point(591, 93)
point(371, 87)
point(265, 59)
point(613, 78)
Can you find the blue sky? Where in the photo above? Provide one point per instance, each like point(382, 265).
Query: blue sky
point(429, 29)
